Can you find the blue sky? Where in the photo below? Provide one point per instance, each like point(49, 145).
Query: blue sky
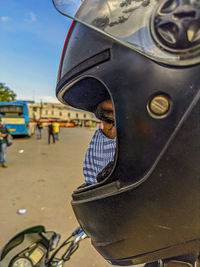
point(32, 35)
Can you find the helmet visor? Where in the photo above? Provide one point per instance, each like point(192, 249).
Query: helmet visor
point(134, 23)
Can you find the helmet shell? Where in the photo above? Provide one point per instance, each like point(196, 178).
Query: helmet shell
point(147, 208)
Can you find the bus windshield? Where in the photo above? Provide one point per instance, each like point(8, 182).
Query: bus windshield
point(11, 110)
point(15, 116)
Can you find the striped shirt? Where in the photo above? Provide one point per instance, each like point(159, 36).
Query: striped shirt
point(100, 152)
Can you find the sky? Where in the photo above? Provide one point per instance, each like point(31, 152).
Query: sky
point(32, 35)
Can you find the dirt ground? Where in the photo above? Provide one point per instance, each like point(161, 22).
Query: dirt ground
point(41, 178)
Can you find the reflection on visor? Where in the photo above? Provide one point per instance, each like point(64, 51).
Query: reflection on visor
point(132, 23)
point(67, 7)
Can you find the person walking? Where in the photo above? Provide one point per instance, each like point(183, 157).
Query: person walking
point(56, 130)
point(50, 133)
point(39, 129)
point(3, 144)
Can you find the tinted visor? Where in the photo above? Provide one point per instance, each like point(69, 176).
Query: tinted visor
point(156, 29)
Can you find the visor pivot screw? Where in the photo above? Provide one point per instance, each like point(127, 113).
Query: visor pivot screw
point(159, 105)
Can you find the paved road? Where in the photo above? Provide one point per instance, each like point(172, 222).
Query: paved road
point(41, 178)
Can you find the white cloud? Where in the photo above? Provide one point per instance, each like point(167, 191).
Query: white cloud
point(38, 99)
point(50, 99)
point(5, 18)
point(30, 17)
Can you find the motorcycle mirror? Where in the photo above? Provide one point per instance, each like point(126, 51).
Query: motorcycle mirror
point(55, 241)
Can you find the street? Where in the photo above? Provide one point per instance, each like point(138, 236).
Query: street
point(41, 179)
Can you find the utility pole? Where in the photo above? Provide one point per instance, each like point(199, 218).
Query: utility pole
point(41, 108)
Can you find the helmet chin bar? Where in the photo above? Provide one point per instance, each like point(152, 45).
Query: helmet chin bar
point(187, 260)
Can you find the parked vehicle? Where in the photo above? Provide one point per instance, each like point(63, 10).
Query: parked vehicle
point(66, 124)
point(15, 117)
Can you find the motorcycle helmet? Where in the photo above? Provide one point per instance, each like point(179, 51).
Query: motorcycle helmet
point(144, 55)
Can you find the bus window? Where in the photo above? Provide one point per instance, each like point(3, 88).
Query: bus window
point(11, 110)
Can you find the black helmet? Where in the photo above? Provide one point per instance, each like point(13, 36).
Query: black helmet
point(145, 56)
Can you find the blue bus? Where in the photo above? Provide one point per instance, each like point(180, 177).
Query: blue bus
point(15, 117)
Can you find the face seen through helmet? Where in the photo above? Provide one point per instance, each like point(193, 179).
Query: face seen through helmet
point(105, 112)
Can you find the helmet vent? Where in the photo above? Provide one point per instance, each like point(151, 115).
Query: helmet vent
point(176, 25)
point(169, 6)
point(193, 33)
point(184, 14)
point(168, 32)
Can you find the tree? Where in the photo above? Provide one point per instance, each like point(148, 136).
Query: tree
point(6, 94)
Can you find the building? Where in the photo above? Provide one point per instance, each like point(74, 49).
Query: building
point(60, 112)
